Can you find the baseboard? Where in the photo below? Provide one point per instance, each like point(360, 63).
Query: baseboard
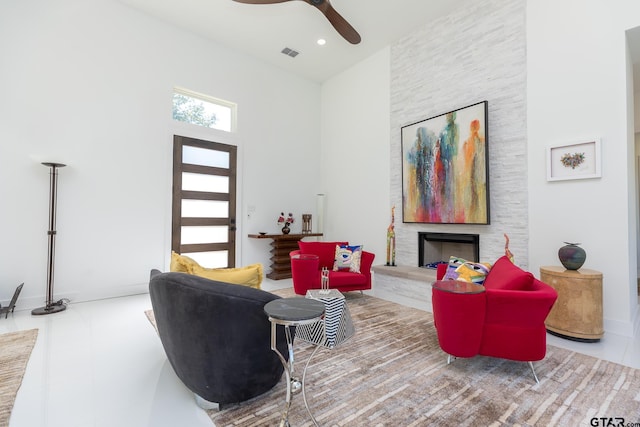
point(617, 327)
point(29, 303)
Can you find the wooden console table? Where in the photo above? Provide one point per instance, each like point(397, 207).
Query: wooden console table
point(281, 245)
point(577, 313)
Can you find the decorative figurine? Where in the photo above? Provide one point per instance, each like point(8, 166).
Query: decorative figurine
point(391, 240)
point(324, 281)
point(306, 223)
point(507, 252)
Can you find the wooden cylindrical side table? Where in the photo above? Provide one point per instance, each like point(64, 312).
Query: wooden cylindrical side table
point(577, 313)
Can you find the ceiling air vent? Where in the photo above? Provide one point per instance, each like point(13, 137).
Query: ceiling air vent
point(290, 52)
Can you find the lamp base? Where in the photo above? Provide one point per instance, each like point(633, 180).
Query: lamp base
point(50, 309)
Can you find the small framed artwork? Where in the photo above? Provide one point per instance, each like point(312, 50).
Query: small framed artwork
point(578, 160)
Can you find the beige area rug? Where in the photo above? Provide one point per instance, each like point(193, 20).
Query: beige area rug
point(393, 373)
point(15, 350)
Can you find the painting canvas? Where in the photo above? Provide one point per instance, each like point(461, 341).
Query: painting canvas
point(445, 168)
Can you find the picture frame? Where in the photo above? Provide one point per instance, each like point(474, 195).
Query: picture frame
point(574, 160)
point(445, 168)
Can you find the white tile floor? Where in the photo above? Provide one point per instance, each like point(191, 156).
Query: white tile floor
point(101, 364)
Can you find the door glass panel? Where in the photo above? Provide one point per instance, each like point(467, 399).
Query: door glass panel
point(205, 157)
point(206, 173)
point(196, 234)
point(204, 208)
point(200, 182)
point(213, 259)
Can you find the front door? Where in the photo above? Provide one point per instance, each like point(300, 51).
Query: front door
point(204, 201)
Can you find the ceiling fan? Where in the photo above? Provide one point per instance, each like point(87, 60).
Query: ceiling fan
point(339, 23)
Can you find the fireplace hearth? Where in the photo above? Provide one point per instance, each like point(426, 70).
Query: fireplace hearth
point(434, 248)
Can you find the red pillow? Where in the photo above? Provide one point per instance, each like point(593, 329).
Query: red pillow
point(326, 251)
point(506, 275)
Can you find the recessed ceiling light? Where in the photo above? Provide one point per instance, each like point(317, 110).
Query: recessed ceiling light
point(321, 42)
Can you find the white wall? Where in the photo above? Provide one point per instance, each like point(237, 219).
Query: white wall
point(577, 87)
point(576, 84)
point(479, 54)
point(636, 107)
point(89, 83)
point(637, 147)
point(355, 154)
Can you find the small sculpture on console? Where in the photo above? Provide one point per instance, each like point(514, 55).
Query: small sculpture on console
point(306, 223)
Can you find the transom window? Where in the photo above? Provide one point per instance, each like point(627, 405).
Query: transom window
point(203, 110)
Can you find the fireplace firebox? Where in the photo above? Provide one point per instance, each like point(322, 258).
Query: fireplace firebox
point(434, 248)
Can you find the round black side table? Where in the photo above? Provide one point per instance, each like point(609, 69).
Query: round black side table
point(292, 312)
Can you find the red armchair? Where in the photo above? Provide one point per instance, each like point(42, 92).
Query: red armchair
point(307, 263)
point(505, 321)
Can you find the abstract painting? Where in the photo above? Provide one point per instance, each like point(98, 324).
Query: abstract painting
point(445, 168)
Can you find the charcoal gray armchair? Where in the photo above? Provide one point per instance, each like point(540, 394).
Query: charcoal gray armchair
point(216, 337)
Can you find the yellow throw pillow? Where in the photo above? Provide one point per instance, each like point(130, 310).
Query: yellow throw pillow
point(250, 275)
point(181, 263)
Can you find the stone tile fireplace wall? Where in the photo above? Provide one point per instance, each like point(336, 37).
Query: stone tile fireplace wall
point(479, 54)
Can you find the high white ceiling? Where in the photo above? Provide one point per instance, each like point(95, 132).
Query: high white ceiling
point(263, 31)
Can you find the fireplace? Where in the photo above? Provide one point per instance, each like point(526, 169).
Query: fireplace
point(438, 247)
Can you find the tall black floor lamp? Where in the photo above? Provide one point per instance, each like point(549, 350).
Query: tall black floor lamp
point(51, 306)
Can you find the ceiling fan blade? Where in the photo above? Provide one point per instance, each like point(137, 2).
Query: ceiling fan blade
point(261, 1)
point(339, 23)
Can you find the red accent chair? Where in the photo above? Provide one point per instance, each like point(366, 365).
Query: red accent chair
point(307, 263)
point(505, 321)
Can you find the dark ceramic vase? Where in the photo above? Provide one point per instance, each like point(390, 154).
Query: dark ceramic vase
point(286, 229)
point(572, 256)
